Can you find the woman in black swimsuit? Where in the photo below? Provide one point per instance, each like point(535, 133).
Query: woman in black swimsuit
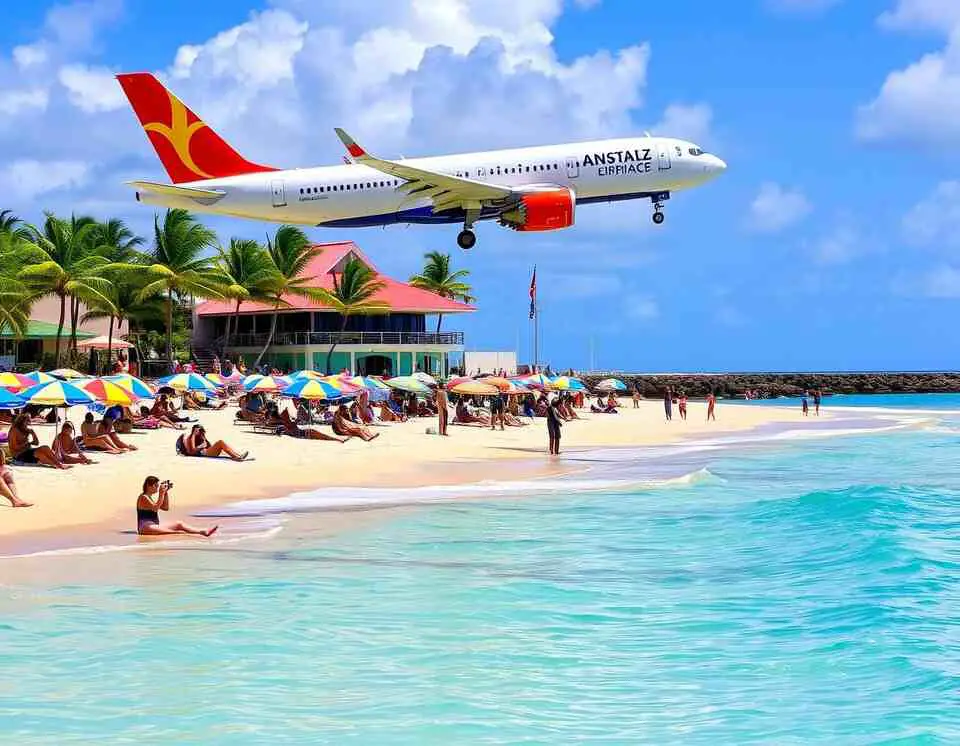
point(553, 427)
point(196, 444)
point(156, 497)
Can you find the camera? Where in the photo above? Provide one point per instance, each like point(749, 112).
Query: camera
point(167, 483)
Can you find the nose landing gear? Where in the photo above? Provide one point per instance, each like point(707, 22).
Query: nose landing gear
point(658, 200)
point(466, 239)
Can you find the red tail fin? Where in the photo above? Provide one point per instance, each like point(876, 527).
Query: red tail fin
point(188, 148)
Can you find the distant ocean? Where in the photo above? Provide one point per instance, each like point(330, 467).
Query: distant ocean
point(887, 401)
point(768, 588)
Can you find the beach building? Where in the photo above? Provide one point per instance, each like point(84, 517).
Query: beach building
point(394, 343)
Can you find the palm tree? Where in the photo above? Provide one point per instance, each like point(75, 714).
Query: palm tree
point(290, 254)
point(251, 275)
point(177, 265)
point(15, 298)
point(11, 224)
point(353, 294)
point(437, 278)
point(125, 305)
point(116, 243)
point(60, 262)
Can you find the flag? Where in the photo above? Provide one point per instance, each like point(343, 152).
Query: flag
point(533, 293)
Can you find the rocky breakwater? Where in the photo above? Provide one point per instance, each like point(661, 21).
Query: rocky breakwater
point(773, 385)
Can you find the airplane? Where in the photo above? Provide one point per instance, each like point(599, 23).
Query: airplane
point(526, 189)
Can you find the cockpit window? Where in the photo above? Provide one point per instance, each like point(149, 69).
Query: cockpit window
point(696, 151)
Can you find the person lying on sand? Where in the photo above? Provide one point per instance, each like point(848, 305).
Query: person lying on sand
point(65, 446)
point(8, 487)
point(155, 497)
point(344, 427)
point(195, 443)
point(105, 429)
point(25, 446)
point(283, 419)
point(464, 416)
point(91, 438)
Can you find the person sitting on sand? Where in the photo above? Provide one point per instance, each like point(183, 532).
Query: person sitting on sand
point(65, 446)
point(147, 421)
point(283, 419)
point(464, 416)
point(163, 408)
point(8, 487)
point(344, 427)
point(92, 440)
point(106, 429)
point(529, 408)
point(155, 497)
point(388, 415)
point(252, 408)
point(25, 446)
point(198, 400)
point(195, 443)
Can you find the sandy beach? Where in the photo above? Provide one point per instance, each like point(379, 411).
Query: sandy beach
point(102, 496)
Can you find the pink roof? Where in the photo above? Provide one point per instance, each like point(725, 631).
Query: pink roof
point(401, 297)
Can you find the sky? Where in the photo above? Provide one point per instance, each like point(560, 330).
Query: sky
point(832, 242)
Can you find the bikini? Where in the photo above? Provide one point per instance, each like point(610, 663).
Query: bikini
point(146, 516)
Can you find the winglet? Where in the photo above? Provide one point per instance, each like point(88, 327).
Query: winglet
point(350, 144)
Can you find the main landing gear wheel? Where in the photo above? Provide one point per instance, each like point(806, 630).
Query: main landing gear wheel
point(466, 239)
point(659, 217)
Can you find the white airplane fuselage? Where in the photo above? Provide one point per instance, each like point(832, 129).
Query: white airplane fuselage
point(354, 195)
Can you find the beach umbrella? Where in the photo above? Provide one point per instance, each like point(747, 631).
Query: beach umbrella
point(611, 384)
point(566, 383)
point(183, 382)
point(425, 378)
point(9, 400)
point(311, 374)
point(265, 384)
point(15, 381)
point(503, 384)
point(38, 376)
point(369, 383)
point(67, 374)
point(108, 392)
point(134, 385)
point(56, 394)
point(474, 388)
point(409, 384)
point(537, 380)
point(307, 388)
point(342, 384)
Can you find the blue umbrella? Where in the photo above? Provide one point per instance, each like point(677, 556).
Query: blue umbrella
point(56, 394)
point(306, 388)
point(10, 401)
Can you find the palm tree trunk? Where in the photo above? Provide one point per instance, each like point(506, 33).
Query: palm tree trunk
point(170, 327)
point(343, 328)
point(110, 341)
point(439, 320)
point(273, 330)
point(63, 312)
point(236, 322)
point(74, 312)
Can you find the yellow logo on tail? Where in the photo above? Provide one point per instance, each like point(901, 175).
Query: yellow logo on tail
point(179, 134)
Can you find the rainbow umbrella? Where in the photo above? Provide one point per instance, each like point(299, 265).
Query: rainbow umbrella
point(265, 384)
point(311, 374)
point(307, 388)
point(9, 400)
point(15, 381)
point(38, 376)
point(134, 385)
point(56, 394)
point(409, 384)
point(67, 374)
point(566, 383)
point(537, 380)
point(183, 382)
point(108, 392)
point(474, 388)
point(342, 384)
point(611, 384)
point(369, 383)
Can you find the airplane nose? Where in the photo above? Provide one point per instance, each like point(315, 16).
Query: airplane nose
point(715, 165)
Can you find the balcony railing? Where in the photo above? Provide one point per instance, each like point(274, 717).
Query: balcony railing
point(300, 339)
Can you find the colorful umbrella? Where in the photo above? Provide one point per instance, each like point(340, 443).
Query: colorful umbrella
point(67, 374)
point(425, 378)
point(108, 392)
point(188, 382)
point(38, 376)
point(56, 394)
point(306, 388)
point(311, 374)
point(134, 385)
point(265, 384)
point(611, 384)
point(10, 401)
point(503, 384)
point(218, 379)
point(408, 384)
point(566, 383)
point(342, 384)
point(475, 388)
point(15, 381)
point(537, 380)
point(369, 383)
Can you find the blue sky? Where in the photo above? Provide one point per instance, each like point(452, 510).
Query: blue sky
point(830, 243)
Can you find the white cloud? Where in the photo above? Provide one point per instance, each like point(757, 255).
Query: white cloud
point(91, 88)
point(839, 246)
point(29, 55)
point(641, 308)
point(30, 178)
point(935, 220)
point(686, 121)
point(776, 208)
point(920, 103)
point(942, 282)
point(17, 101)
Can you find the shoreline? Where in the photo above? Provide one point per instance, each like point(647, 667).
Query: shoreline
point(471, 456)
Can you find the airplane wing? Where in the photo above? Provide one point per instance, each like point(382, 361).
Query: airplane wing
point(203, 196)
point(446, 191)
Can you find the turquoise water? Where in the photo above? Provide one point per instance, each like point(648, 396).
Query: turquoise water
point(886, 401)
point(805, 593)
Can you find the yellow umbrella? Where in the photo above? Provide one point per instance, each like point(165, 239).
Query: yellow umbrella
point(67, 374)
point(474, 388)
point(108, 392)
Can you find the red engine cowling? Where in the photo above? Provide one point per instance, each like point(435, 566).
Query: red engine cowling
point(548, 210)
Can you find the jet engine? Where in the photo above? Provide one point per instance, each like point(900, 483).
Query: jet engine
point(546, 210)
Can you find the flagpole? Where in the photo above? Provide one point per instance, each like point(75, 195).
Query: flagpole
point(536, 337)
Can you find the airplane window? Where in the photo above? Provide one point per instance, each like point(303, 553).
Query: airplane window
point(528, 169)
point(679, 152)
point(696, 151)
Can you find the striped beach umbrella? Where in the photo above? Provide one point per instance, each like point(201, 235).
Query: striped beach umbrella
point(67, 374)
point(15, 381)
point(409, 384)
point(311, 374)
point(108, 392)
point(369, 383)
point(307, 388)
point(342, 384)
point(134, 385)
point(38, 376)
point(611, 384)
point(183, 382)
point(567, 383)
point(537, 381)
point(10, 400)
point(56, 394)
point(474, 388)
point(265, 384)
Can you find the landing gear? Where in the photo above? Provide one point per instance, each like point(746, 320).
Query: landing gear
point(658, 200)
point(466, 239)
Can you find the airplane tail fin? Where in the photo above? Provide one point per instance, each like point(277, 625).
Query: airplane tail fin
point(187, 146)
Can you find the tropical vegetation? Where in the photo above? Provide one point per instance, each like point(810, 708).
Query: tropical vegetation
point(438, 278)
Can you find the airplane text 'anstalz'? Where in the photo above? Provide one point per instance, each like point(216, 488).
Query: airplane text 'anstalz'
point(617, 156)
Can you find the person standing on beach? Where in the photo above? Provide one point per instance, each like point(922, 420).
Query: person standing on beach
point(816, 401)
point(682, 405)
point(553, 427)
point(443, 414)
point(804, 405)
point(711, 406)
point(636, 397)
point(497, 406)
point(668, 403)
